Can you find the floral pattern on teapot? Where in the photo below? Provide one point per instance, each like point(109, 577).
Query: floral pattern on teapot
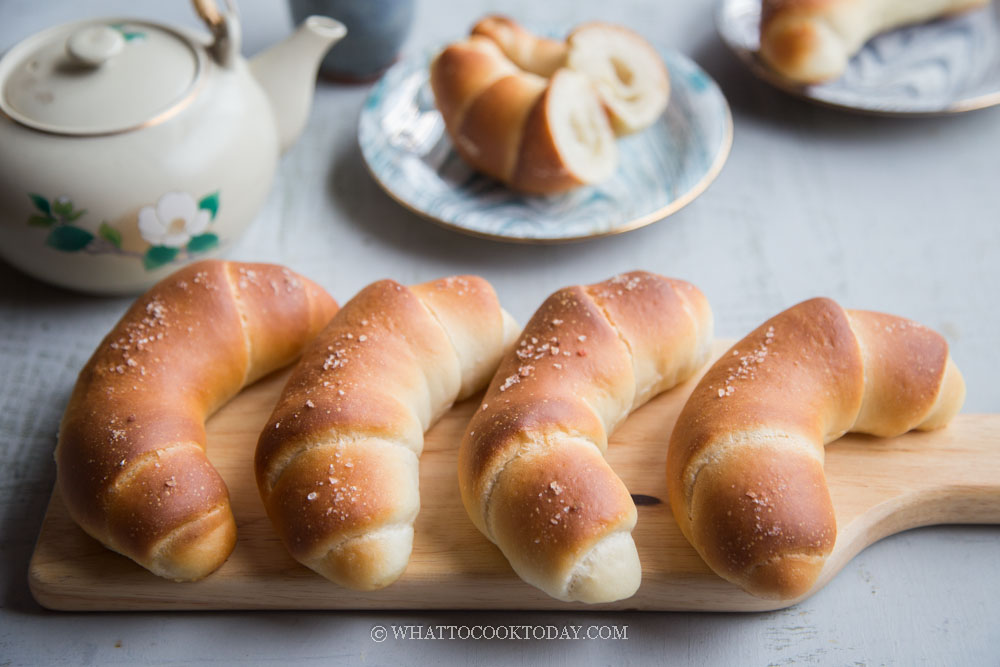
point(126, 32)
point(174, 229)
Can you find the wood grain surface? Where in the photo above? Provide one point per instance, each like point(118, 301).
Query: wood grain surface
point(879, 487)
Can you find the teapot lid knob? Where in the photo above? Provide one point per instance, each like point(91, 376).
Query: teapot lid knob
point(94, 45)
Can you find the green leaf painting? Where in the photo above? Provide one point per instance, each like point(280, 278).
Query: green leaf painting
point(58, 215)
point(59, 210)
point(158, 255)
point(41, 221)
point(203, 242)
point(129, 35)
point(41, 203)
point(210, 203)
point(62, 207)
point(110, 234)
point(69, 238)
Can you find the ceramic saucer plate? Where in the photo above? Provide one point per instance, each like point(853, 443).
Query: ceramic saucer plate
point(942, 67)
point(661, 169)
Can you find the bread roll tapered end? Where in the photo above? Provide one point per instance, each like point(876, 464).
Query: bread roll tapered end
point(611, 571)
point(198, 547)
point(803, 49)
point(370, 561)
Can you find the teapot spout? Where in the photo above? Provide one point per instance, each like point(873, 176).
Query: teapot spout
point(287, 73)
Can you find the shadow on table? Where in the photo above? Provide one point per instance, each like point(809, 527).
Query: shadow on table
point(22, 294)
point(21, 291)
point(30, 469)
point(20, 526)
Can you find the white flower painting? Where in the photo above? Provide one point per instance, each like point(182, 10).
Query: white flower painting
point(174, 221)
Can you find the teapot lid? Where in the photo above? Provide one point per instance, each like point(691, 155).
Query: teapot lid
point(99, 77)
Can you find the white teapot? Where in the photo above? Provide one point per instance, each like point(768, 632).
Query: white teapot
point(128, 147)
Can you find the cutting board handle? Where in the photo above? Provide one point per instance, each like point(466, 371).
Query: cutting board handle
point(922, 478)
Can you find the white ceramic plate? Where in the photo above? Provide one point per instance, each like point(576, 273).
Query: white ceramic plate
point(946, 66)
point(661, 169)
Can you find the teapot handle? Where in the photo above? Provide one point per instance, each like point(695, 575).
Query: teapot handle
point(225, 29)
point(209, 12)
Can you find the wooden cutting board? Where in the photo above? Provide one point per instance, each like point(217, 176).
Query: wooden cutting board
point(879, 487)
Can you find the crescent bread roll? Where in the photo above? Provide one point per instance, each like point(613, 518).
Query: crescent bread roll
point(811, 41)
point(531, 468)
point(541, 115)
point(336, 464)
point(537, 135)
point(131, 464)
point(745, 463)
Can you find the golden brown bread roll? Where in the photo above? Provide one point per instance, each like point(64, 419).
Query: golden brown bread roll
point(745, 463)
point(810, 41)
point(538, 135)
point(541, 115)
point(530, 52)
point(531, 467)
point(131, 464)
point(337, 462)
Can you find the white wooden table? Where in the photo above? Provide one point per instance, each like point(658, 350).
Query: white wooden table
point(895, 215)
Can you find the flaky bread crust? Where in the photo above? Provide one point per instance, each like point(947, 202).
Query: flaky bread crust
point(811, 41)
point(745, 464)
point(531, 467)
point(337, 462)
point(538, 55)
point(131, 464)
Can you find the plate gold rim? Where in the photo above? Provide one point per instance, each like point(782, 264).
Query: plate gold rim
point(721, 157)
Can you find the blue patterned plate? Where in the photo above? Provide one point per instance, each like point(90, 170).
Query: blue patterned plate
point(941, 67)
point(661, 169)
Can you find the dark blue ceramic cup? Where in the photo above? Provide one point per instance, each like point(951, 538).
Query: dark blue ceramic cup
point(376, 29)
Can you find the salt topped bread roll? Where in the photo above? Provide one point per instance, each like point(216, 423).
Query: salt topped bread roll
point(531, 467)
point(745, 464)
point(131, 464)
point(337, 462)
